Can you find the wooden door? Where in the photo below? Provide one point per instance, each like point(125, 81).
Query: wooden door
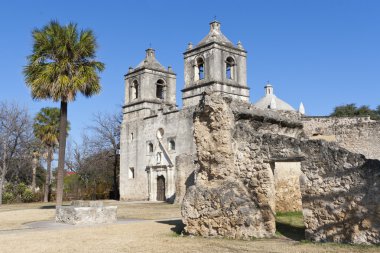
point(161, 188)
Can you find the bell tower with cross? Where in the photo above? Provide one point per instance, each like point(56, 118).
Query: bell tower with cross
point(215, 64)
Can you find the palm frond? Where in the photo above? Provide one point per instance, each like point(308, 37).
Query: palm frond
point(63, 63)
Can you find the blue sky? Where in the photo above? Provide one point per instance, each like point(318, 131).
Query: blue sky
point(323, 53)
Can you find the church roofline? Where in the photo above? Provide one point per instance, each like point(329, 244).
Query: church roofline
point(136, 70)
point(215, 36)
point(213, 82)
point(150, 62)
point(153, 101)
point(213, 43)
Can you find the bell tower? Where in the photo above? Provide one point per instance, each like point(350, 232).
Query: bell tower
point(215, 64)
point(149, 87)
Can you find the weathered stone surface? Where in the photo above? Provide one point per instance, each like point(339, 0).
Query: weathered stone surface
point(357, 134)
point(225, 208)
point(185, 175)
point(236, 145)
point(340, 190)
point(83, 203)
point(84, 212)
point(234, 194)
point(287, 186)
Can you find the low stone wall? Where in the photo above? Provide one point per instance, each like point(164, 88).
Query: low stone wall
point(81, 212)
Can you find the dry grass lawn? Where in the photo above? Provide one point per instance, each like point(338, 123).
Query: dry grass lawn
point(139, 236)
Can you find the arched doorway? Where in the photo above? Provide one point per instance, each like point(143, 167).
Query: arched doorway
point(161, 188)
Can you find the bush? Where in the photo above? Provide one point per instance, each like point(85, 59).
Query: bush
point(20, 189)
point(19, 193)
point(8, 197)
point(8, 187)
point(28, 196)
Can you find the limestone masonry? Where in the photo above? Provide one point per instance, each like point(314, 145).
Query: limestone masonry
point(233, 164)
point(359, 134)
point(86, 213)
point(234, 191)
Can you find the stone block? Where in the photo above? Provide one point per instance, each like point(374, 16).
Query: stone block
point(86, 213)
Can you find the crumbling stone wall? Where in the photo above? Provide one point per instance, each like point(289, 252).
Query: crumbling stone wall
point(340, 190)
point(234, 191)
point(357, 134)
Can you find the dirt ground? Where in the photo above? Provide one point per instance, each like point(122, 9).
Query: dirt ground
point(147, 235)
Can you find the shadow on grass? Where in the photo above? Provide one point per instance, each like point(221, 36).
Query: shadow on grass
point(292, 232)
point(48, 207)
point(178, 225)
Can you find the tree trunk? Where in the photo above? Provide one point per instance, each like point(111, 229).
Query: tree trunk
point(34, 168)
point(3, 171)
point(48, 173)
point(2, 177)
point(1, 191)
point(115, 185)
point(61, 154)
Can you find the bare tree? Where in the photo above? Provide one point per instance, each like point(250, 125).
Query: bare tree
point(93, 166)
point(15, 136)
point(106, 140)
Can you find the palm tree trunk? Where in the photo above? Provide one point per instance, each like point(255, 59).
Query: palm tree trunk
point(48, 172)
point(61, 154)
point(34, 168)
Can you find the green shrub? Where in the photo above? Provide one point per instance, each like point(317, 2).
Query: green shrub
point(8, 187)
point(19, 193)
point(8, 197)
point(28, 196)
point(20, 189)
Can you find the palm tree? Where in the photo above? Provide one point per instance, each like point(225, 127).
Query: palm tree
point(61, 65)
point(46, 129)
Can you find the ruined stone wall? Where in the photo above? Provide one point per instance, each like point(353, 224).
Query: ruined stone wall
point(234, 191)
point(234, 195)
point(357, 134)
point(340, 190)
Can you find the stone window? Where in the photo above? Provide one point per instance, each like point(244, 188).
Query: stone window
point(135, 90)
point(131, 173)
point(158, 157)
point(230, 68)
point(131, 136)
point(160, 133)
point(160, 89)
point(150, 148)
point(171, 144)
point(199, 69)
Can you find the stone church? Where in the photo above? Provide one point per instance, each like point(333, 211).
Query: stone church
point(155, 131)
point(157, 144)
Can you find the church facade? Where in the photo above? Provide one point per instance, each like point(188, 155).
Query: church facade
point(154, 131)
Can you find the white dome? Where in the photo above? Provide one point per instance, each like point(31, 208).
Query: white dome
point(270, 101)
